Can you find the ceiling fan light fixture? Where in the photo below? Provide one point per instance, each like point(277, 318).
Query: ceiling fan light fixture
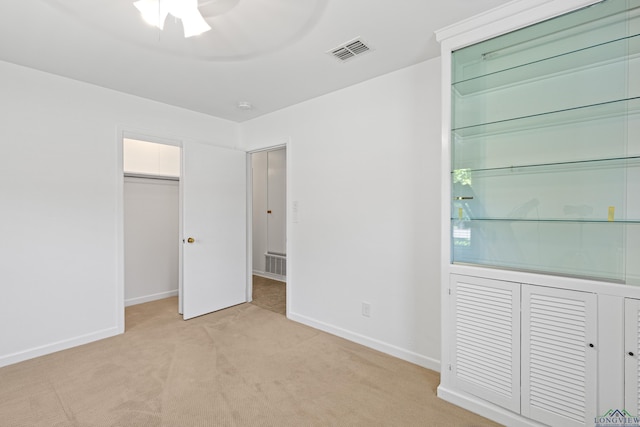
point(193, 23)
point(151, 12)
point(155, 12)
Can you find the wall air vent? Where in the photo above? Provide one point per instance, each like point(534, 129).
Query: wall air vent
point(349, 50)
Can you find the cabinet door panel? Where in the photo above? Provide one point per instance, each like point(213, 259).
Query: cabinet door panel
point(632, 362)
point(559, 330)
point(486, 346)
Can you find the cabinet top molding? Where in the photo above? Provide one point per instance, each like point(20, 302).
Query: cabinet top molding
point(503, 19)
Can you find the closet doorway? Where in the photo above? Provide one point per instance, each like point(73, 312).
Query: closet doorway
point(151, 220)
point(210, 235)
point(269, 228)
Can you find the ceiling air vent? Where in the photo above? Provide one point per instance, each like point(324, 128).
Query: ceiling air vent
point(349, 50)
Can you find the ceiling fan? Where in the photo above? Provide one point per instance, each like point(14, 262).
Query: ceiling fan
point(155, 12)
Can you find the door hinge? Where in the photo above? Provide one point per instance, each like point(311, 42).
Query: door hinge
point(449, 366)
point(449, 291)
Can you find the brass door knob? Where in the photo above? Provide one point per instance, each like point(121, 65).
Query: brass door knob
point(191, 240)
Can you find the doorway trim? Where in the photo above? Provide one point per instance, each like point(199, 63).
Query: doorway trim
point(288, 283)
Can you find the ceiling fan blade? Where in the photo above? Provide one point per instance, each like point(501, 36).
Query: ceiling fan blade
point(152, 12)
point(194, 24)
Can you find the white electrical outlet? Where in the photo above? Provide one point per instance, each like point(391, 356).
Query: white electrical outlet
point(366, 309)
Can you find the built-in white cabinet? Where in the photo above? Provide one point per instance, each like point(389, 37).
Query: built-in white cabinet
point(529, 349)
point(485, 356)
point(559, 355)
point(632, 355)
point(535, 351)
point(541, 212)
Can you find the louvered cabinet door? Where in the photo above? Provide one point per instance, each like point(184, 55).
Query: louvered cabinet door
point(632, 356)
point(559, 356)
point(485, 358)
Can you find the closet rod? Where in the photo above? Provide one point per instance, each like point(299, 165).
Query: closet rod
point(160, 177)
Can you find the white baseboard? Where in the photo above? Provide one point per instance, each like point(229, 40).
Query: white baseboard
point(400, 353)
point(485, 409)
point(10, 359)
point(149, 298)
point(272, 276)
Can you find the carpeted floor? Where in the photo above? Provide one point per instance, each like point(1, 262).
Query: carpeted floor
point(243, 366)
point(270, 294)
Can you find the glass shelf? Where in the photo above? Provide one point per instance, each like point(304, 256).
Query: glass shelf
point(601, 190)
point(560, 92)
point(593, 250)
point(586, 220)
point(615, 108)
point(604, 131)
point(596, 24)
point(616, 50)
point(613, 163)
point(545, 147)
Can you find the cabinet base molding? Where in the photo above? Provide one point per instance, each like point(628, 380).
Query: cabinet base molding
point(485, 409)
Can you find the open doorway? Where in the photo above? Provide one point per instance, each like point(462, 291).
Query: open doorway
point(269, 231)
point(211, 235)
point(151, 220)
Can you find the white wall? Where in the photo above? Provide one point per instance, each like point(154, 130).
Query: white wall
point(151, 239)
point(364, 168)
point(60, 198)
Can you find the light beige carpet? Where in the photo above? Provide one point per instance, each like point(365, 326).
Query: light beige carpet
point(270, 294)
point(244, 366)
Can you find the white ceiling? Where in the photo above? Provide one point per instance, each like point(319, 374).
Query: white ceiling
point(271, 53)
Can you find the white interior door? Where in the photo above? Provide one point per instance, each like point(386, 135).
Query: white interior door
point(277, 201)
point(632, 355)
point(214, 216)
